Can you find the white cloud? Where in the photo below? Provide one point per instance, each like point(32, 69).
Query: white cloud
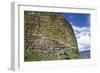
point(83, 37)
point(71, 22)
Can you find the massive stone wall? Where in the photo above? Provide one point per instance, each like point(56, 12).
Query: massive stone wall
point(48, 36)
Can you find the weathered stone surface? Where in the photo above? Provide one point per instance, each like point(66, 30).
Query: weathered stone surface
point(48, 34)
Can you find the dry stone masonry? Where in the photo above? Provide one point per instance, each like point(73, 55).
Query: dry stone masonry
point(48, 36)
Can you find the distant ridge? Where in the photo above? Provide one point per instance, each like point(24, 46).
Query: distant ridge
point(85, 54)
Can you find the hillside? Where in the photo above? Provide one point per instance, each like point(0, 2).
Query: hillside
point(48, 36)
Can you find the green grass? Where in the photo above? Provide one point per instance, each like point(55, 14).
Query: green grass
point(31, 57)
point(72, 54)
point(41, 57)
point(38, 57)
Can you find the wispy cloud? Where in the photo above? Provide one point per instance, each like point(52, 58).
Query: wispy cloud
point(71, 17)
point(83, 37)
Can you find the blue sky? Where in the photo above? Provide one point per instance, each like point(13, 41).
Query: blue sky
point(81, 27)
point(78, 19)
